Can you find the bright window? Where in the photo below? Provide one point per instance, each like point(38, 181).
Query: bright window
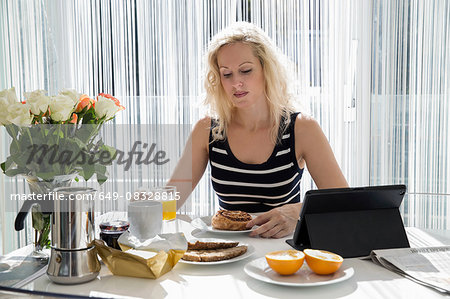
point(375, 74)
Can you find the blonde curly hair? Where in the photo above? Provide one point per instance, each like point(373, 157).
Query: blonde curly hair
point(275, 74)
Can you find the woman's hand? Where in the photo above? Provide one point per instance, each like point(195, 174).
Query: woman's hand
point(276, 223)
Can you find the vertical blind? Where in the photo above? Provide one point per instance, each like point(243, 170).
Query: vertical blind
point(149, 54)
point(410, 106)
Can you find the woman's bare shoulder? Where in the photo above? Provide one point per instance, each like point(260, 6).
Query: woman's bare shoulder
point(202, 126)
point(306, 125)
point(200, 132)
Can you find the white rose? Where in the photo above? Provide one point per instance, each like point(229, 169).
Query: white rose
point(35, 93)
point(19, 114)
point(72, 94)
point(61, 108)
point(105, 106)
point(38, 101)
point(9, 94)
point(4, 104)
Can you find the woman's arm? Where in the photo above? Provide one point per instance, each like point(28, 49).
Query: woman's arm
point(193, 161)
point(312, 147)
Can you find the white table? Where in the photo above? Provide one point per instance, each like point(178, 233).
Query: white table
point(229, 280)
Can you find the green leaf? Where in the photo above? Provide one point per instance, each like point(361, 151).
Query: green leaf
point(37, 217)
point(21, 159)
point(12, 130)
point(47, 176)
point(101, 172)
point(14, 148)
point(78, 142)
point(88, 171)
point(8, 163)
point(25, 138)
point(14, 172)
point(44, 240)
point(89, 117)
point(112, 151)
point(99, 168)
point(101, 178)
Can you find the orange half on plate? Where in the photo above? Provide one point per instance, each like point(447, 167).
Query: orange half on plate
point(322, 262)
point(285, 262)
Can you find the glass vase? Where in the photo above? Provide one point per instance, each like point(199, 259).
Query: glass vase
point(41, 220)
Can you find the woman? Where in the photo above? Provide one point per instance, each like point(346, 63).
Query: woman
point(257, 146)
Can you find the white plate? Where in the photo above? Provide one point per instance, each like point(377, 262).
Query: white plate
point(204, 224)
point(259, 269)
point(250, 251)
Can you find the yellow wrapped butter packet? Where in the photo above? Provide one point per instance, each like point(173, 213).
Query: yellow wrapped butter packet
point(161, 254)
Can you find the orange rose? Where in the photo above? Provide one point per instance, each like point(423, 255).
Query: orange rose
point(74, 118)
point(83, 102)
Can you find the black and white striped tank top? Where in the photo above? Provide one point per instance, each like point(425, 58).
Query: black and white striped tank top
point(256, 187)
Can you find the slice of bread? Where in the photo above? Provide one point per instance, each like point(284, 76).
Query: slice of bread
point(214, 255)
point(211, 244)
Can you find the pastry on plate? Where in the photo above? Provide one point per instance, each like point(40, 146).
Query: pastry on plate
point(230, 220)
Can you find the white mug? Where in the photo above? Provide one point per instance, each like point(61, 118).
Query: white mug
point(145, 218)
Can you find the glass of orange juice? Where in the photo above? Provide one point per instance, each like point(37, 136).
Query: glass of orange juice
point(167, 195)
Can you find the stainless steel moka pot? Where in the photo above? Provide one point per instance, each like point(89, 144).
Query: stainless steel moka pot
point(73, 256)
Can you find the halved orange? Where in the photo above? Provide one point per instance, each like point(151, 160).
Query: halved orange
point(285, 262)
point(322, 262)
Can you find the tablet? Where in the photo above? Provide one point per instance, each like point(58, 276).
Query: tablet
point(351, 221)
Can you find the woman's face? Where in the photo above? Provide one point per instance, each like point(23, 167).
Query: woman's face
point(241, 75)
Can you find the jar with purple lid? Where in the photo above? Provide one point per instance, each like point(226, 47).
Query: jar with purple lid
point(111, 231)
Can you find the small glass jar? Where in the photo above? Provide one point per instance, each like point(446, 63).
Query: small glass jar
point(112, 230)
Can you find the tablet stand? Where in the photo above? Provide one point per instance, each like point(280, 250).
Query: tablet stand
point(351, 233)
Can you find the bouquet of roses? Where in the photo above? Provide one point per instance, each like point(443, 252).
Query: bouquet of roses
point(54, 139)
point(57, 135)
